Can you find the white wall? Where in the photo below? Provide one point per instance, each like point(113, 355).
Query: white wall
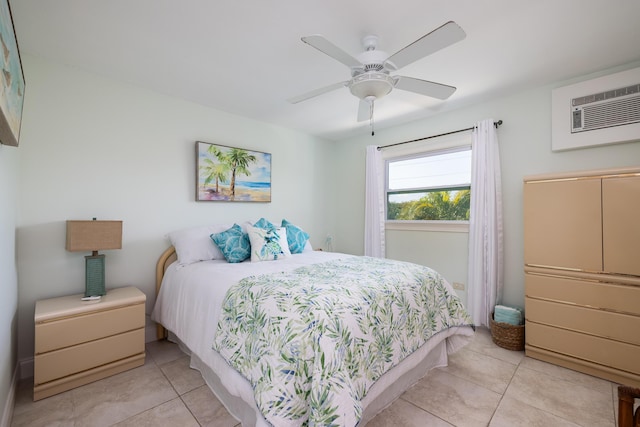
point(525, 148)
point(92, 147)
point(9, 162)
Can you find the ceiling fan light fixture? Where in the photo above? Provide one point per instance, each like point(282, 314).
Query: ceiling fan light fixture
point(370, 79)
point(371, 84)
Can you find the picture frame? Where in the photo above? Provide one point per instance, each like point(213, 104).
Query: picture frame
point(11, 80)
point(230, 174)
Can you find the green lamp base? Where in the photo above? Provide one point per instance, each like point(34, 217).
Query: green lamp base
point(94, 279)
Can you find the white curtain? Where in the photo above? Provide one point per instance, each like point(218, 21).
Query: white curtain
point(374, 204)
point(485, 225)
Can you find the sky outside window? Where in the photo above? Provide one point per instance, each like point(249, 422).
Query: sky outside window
point(442, 170)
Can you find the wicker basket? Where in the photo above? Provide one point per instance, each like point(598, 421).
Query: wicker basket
point(507, 336)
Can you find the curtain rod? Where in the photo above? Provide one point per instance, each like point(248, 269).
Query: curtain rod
point(496, 124)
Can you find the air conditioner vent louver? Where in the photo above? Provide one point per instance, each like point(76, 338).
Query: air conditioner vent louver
point(606, 109)
point(608, 94)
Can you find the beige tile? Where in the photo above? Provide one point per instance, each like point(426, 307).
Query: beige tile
point(405, 414)
point(577, 403)
point(24, 396)
point(453, 399)
point(181, 376)
point(56, 410)
point(163, 351)
point(482, 343)
point(486, 371)
point(463, 394)
point(575, 377)
point(207, 409)
point(121, 396)
point(170, 414)
point(514, 413)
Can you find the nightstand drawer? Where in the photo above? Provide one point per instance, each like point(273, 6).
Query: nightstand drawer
point(67, 361)
point(74, 330)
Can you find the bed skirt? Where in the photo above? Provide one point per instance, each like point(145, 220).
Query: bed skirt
point(434, 353)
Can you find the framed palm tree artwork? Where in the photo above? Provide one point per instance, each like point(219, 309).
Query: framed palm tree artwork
point(228, 174)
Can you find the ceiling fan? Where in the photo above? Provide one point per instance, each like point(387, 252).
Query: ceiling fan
point(370, 78)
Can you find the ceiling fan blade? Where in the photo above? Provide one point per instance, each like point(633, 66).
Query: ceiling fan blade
point(317, 92)
point(364, 110)
point(441, 37)
point(424, 87)
point(328, 48)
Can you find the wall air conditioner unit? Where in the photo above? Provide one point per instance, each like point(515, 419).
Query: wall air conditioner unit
point(605, 110)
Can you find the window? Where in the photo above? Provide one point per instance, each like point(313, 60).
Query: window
point(429, 186)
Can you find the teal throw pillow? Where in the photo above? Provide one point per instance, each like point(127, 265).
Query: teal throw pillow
point(296, 237)
point(233, 243)
point(263, 223)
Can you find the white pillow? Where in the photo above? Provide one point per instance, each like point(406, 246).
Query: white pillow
point(194, 244)
point(268, 244)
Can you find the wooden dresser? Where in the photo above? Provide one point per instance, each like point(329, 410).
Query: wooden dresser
point(582, 271)
point(77, 342)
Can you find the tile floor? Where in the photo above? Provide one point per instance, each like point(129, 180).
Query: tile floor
point(484, 385)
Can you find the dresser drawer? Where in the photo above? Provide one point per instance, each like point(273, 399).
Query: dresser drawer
point(74, 330)
point(609, 296)
point(70, 360)
point(609, 353)
point(606, 324)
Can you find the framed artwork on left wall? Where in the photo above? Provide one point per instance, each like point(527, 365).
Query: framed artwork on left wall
point(229, 174)
point(11, 80)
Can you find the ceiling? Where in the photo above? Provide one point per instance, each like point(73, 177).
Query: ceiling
point(246, 57)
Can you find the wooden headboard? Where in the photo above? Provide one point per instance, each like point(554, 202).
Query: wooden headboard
point(165, 260)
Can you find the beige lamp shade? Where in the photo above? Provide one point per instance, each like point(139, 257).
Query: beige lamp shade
point(91, 236)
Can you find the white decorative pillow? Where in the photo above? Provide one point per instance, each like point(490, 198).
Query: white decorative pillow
point(194, 244)
point(268, 244)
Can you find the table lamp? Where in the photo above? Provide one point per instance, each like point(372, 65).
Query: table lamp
point(94, 236)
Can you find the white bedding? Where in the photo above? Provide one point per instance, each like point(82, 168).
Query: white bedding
point(189, 305)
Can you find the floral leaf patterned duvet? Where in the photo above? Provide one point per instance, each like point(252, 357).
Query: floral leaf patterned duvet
point(312, 341)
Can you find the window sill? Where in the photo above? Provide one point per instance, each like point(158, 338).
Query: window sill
point(444, 226)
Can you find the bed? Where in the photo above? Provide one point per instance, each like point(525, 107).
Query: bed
point(307, 338)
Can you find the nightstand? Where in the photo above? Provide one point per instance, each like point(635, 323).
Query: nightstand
point(78, 342)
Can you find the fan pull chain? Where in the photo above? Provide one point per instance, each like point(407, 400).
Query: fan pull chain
point(371, 118)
